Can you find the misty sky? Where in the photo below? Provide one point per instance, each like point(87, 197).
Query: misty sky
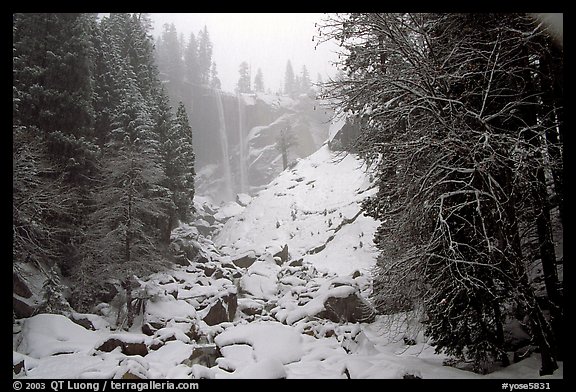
point(264, 40)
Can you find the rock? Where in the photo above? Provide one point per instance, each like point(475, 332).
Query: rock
point(204, 355)
point(173, 292)
point(21, 309)
point(157, 345)
point(231, 301)
point(208, 270)
point(194, 332)
point(219, 313)
point(204, 230)
point(351, 309)
point(408, 341)
point(296, 263)
point(19, 287)
point(83, 321)
point(409, 376)
point(181, 260)
point(356, 274)
point(148, 330)
point(135, 349)
point(210, 219)
point(283, 254)
point(130, 376)
point(17, 368)
point(216, 315)
point(245, 261)
point(191, 252)
point(127, 348)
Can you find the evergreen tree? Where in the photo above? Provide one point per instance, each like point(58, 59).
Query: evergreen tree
point(53, 78)
point(122, 236)
point(101, 166)
point(259, 81)
point(191, 61)
point(305, 83)
point(204, 56)
point(243, 85)
point(177, 161)
point(53, 300)
point(214, 79)
point(170, 61)
point(52, 91)
point(289, 80)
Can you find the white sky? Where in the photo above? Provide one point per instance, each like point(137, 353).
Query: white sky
point(264, 40)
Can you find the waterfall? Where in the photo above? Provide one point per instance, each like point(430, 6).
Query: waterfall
point(224, 146)
point(242, 146)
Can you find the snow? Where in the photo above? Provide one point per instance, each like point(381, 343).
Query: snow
point(261, 279)
point(269, 340)
point(230, 209)
point(168, 308)
point(49, 334)
point(243, 199)
point(336, 125)
point(172, 353)
point(316, 203)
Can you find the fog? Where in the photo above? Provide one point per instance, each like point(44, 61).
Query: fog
point(264, 40)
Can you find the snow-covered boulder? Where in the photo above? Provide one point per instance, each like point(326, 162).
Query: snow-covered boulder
point(268, 340)
point(261, 279)
point(50, 334)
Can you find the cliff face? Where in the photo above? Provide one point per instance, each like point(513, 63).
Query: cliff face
point(237, 138)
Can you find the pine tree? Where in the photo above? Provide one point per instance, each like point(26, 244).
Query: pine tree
point(52, 57)
point(191, 61)
point(52, 89)
point(289, 80)
point(122, 237)
point(177, 161)
point(259, 81)
point(305, 83)
point(123, 233)
point(186, 158)
point(53, 300)
point(214, 79)
point(170, 60)
point(204, 56)
point(243, 85)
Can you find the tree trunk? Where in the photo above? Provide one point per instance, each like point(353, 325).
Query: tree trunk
point(551, 70)
point(127, 285)
point(500, 334)
point(542, 209)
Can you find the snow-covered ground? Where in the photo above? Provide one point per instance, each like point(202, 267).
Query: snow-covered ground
point(270, 318)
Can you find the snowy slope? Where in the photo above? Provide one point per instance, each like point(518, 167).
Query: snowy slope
point(314, 209)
